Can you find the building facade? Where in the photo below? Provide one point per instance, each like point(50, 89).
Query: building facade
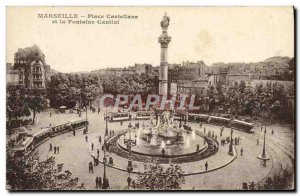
point(30, 69)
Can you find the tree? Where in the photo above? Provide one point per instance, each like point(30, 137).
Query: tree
point(36, 103)
point(32, 174)
point(156, 178)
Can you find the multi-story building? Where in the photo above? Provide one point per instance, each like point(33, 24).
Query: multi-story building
point(190, 78)
point(30, 68)
point(136, 69)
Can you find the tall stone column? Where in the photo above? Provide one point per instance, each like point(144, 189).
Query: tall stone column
point(164, 41)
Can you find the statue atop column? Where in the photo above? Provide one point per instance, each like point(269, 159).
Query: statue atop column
point(165, 22)
point(164, 41)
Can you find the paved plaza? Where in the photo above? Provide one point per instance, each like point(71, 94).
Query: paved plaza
point(224, 171)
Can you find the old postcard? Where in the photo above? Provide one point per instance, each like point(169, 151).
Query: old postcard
point(150, 98)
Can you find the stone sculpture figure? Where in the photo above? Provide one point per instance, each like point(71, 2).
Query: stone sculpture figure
point(165, 22)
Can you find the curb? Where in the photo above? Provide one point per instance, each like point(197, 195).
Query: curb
point(186, 174)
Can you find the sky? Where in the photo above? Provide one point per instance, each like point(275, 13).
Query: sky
point(209, 34)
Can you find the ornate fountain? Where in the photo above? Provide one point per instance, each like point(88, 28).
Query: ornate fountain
point(164, 132)
point(162, 139)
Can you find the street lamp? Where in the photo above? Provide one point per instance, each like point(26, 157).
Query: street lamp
point(180, 125)
point(230, 152)
point(129, 160)
point(105, 184)
point(264, 147)
point(86, 119)
point(263, 155)
point(106, 118)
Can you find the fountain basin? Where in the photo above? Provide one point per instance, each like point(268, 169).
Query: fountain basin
point(172, 147)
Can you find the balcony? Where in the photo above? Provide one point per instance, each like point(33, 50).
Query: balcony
point(37, 72)
point(37, 79)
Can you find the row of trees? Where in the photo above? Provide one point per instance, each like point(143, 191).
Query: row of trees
point(240, 99)
point(22, 102)
point(67, 89)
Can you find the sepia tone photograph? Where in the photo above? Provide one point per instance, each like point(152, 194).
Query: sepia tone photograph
point(150, 98)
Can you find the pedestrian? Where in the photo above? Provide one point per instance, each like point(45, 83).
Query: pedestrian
point(110, 161)
point(264, 163)
point(107, 183)
point(109, 132)
point(95, 160)
point(99, 182)
point(86, 138)
point(96, 181)
point(197, 148)
point(204, 130)
point(163, 152)
point(54, 149)
point(92, 168)
point(74, 133)
point(206, 166)
point(92, 146)
point(98, 110)
point(257, 142)
point(50, 149)
point(128, 181)
point(57, 149)
point(242, 151)
point(98, 152)
point(113, 132)
point(261, 129)
point(272, 131)
point(50, 114)
point(121, 122)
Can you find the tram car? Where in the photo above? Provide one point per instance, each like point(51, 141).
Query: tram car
point(219, 121)
point(26, 142)
point(78, 124)
point(119, 116)
point(144, 115)
point(23, 146)
point(242, 126)
point(40, 137)
point(198, 117)
point(60, 129)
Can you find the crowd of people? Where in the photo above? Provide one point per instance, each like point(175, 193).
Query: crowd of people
point(55, 149)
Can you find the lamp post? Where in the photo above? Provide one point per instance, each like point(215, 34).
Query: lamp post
point(264, 146)
point(180, 125)
point(106, 118)
point(230, 152)
point(86, 119)
point(130, 141)
point(105, 182)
